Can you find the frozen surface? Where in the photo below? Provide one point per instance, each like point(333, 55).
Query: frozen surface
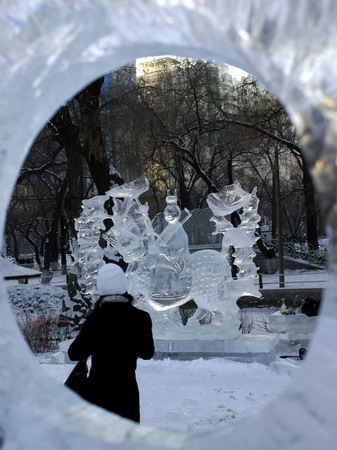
point(49, 51)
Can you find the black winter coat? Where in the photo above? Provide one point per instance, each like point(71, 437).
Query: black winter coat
point(115, 335)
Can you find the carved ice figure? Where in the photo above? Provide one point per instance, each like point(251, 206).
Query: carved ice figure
point(244, 253)
point(87, 256)
point(222, 204)
point(213, 288)
point(132, 230)
point(211, 269)
point(158, 266)
point(132, 233)
point(161, 270)
point(170, 268)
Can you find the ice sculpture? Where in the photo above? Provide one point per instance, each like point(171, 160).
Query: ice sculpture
point(214, 288)
point(170, 268)
point(292, 51)
point(242, 238)
point(88, 258)
point(132, 231)
point(243, 247)
point(158, 265)
point(161, 269)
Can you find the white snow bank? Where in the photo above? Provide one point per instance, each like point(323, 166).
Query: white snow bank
point(200, 394)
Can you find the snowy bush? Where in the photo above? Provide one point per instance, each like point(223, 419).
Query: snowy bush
point(46, 305)
point(43, 333)
point(37, 299)
point(75, 310)
point(38, 311)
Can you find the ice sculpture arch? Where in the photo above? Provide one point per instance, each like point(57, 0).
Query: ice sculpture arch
point(51, 49)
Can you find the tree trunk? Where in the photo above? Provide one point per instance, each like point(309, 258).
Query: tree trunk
point(230, 171)
point(310, 208)
point(68, 137)
point(36, 251)
point(47, 275)
point(185, 198)
point(92, 137)
point(15, 247)
point(37, 256)
point(63, 245)
point(273, 208)
point(51, 247)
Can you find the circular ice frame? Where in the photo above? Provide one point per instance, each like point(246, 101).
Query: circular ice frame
point(50, 49)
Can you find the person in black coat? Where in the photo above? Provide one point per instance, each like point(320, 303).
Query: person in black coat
point(115, 334)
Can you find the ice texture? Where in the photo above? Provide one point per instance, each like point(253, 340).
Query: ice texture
point(49, 51)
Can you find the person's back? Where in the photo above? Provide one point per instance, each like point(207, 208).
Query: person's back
point(115, 335)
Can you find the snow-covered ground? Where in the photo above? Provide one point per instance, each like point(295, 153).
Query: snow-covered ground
point(200, 394)
point(205, 394)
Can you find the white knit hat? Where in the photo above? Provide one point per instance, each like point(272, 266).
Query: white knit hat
point(111, 280)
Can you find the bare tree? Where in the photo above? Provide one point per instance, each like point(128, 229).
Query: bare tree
point(54, 179)
point(185, 126)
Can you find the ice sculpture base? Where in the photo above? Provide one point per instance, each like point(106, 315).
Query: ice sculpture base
point(242, 348)
point(295, 331)
point(253, 348)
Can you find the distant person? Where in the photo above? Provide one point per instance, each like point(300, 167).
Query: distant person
point(310, 307)
point(115, 334)
point(302, 353)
